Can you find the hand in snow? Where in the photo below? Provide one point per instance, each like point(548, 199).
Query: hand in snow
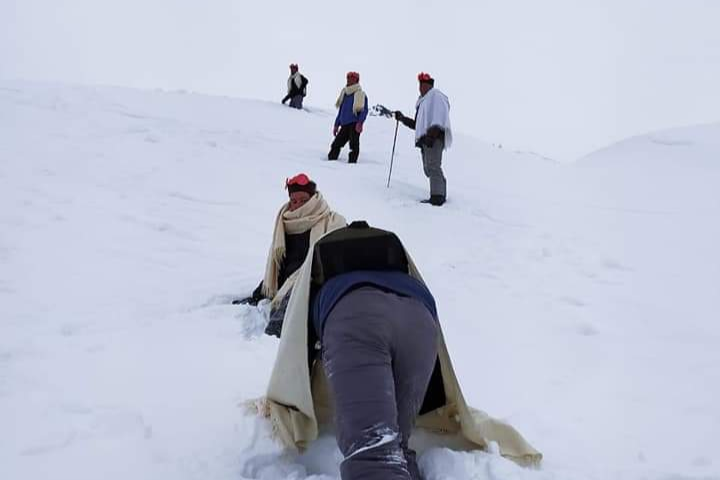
point(246, 301)
point(358, 127)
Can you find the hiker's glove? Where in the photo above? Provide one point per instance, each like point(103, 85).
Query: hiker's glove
point(399, 115)
point(247, 301)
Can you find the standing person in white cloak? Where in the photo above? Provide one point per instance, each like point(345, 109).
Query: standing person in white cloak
point(298, 225)
point(362, 347)
point(433, 134)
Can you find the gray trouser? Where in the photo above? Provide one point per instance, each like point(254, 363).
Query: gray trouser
point(296, 101)
point(432, 165)
point(379, 350)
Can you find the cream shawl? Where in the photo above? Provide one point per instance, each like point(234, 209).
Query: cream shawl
point(295, 77)
point(297, 400)
point(315, 216)
point(358, 101)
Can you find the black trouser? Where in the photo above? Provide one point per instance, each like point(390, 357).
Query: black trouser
point(346, 133)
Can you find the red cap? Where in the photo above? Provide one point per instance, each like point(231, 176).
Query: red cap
point(354, 75)
point(425, 78)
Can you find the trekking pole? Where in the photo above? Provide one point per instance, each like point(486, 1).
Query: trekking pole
point(392, 155)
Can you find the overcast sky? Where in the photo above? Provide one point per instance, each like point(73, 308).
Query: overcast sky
point(558, 77)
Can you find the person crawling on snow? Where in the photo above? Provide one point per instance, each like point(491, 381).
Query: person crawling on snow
point(362, 347)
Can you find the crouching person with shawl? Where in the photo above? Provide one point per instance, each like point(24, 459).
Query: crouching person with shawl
point(298, 225)
point(362, 347)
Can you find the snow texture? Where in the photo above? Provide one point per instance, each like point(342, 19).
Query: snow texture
point(580, 302)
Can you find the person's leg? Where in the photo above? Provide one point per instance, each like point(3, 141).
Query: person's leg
point(354, 145)
point(414, 349)
point(424, 155)
point(432, 161)
point(340, 140)
point(296, 101)
point(358, 364)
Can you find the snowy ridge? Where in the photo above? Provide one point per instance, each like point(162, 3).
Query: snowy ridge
point(579, 302)
point(689, 146)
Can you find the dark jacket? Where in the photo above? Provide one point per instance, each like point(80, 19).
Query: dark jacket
point(346, 115)
point(296, 249)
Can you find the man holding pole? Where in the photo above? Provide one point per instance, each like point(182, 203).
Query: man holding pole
point(433, 134)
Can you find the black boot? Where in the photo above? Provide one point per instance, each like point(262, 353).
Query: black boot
point(352, 158)
point(437, 200)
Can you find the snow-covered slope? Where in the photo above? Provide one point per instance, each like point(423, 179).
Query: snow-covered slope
point(580, 302)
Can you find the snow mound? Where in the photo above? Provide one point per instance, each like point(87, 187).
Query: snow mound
point(688, 147)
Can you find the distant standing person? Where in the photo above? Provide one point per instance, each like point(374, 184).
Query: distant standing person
point(296, 87)
point(352, 105)
point(432, 134)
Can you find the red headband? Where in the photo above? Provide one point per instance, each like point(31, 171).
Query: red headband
point(299, 179)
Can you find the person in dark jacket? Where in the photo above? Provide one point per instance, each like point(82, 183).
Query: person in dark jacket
point(363, 355)
point(352, 105)
point(299, 223)
point(379, 335)
point(433, 134)
point(296, 87)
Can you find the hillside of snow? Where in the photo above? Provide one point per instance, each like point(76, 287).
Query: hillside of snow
point(579, 302)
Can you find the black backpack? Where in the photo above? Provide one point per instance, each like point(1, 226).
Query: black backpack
point(357, 247)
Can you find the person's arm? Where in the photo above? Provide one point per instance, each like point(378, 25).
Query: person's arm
point(364, 113)
point(253, 299)
point(408, 122)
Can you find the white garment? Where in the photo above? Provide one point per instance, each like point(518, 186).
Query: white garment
point(295, 77)
point(433, 109)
